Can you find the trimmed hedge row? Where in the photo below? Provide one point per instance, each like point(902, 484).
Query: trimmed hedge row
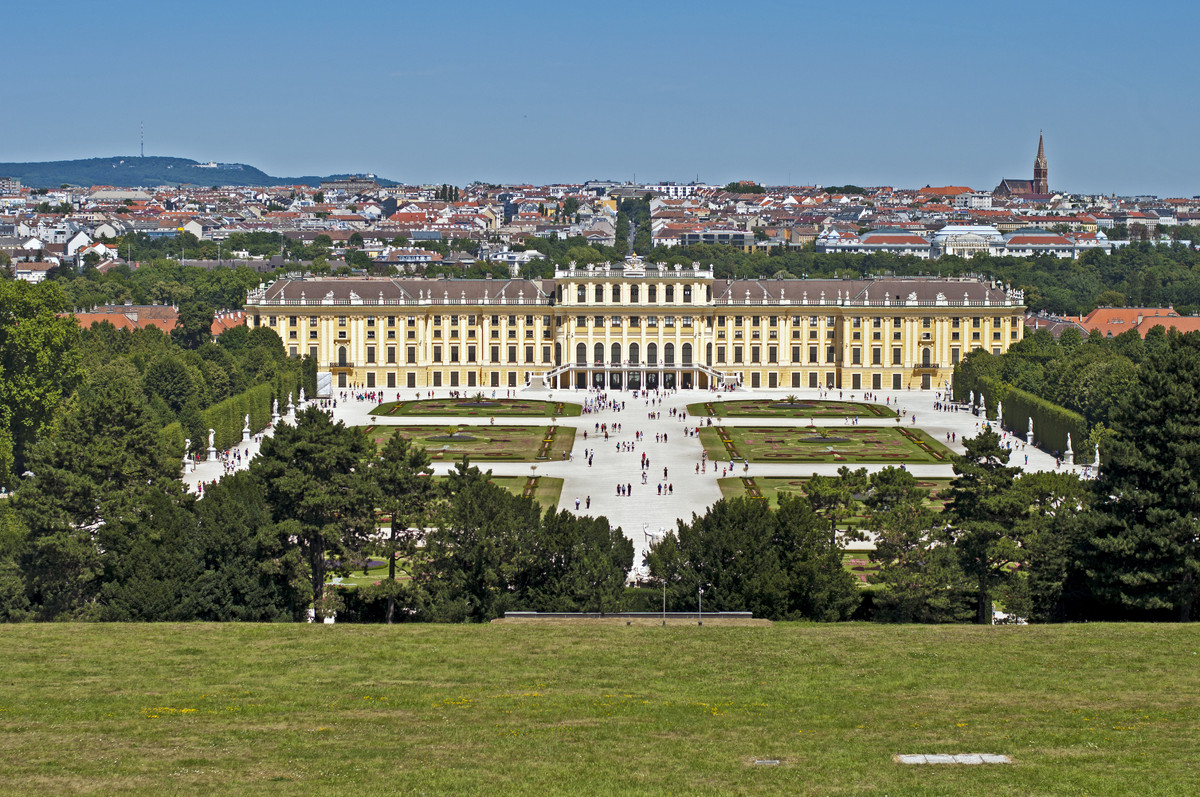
point(227, 418)
point(1051, 423)
point(172, 437)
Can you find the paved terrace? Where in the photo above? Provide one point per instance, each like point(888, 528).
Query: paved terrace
point(645, 510)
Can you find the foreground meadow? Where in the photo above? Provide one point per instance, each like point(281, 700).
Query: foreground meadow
point(503, 709)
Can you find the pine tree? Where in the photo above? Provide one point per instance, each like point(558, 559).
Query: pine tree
point(402, 474)
point(91, 477)
point(983, 511)
point(314, 478)
point(921, 578)
point(1146, 558)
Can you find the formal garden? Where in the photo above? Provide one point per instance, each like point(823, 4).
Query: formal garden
point(479, 406)
point(493, 442)
point(789, 407)
point(849, 444)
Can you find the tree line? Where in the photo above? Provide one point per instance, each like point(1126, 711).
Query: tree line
point(45, 358)
point(101, 529)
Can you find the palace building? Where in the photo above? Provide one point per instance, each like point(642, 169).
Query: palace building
point(636, 326)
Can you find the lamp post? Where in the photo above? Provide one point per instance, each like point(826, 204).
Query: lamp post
point(700, 604)
point(653, 538)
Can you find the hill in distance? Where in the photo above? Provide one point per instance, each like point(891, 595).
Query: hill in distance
point(130, 171)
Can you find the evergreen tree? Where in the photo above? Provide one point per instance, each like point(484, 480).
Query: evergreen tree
point(982, 512)
point(777, 564)
point(727, 552)
point(818, 586)
point(475, 557)
point(920, 576)
point(194, 326)
point(835, 498)
point(96, 470)
point(1146, 559)
point(246, 572)
point(313, 476)
point(577, 564)
point(1055, 539)
point(402, 474)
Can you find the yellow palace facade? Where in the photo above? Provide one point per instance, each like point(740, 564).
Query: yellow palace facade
point(639, 326)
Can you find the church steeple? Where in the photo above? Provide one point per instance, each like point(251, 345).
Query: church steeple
point(1041, 183)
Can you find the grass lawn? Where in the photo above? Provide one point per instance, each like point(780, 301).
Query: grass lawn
point(475, 408)
point(240, 709)
point(545, 490)
point(849, 444)
point(511, 443)
point(780, 408)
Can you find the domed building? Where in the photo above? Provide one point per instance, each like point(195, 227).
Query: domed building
point(965, 240)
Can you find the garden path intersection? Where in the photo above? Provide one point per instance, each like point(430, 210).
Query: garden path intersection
point(644, 509)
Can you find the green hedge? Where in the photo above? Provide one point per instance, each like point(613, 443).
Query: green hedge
point(1051, 423)
point(227, 418)
point(172, 438)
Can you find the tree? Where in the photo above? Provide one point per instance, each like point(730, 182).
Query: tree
point(920, 577)
point(313, 476)
point(319, 197)
point(39, 366)
point(818, 586)
point(1052, 584)
point(492, 552)
point(92, 477)
point(170, 379)
point(776, 564)
point(835, 497)
point(728, 553)
point(194, 326)
point(474, 554)
point(402, 474)
point(982, 513)
point(1146, 545)
point(245, 571)
point(578, 564)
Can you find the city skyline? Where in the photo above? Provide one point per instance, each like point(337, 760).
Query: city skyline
point(924, 94)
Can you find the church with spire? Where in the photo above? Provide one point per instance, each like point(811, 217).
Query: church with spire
point(1035, 190)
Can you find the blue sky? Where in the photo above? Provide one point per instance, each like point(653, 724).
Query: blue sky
point(874, 93)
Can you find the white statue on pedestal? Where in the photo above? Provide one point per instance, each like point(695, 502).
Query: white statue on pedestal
point(212, 435)
point(1069, 455)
